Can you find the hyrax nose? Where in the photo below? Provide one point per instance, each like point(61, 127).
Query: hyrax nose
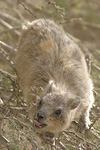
point(40, 116)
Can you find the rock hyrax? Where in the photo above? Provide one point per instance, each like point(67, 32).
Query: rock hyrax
point(53, 76)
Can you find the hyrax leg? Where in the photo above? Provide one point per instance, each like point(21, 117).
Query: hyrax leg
point(84, 121)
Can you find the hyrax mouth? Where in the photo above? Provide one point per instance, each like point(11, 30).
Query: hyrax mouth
point(39, 125)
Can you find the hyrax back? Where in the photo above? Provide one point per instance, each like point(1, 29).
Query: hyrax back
point(52, 69)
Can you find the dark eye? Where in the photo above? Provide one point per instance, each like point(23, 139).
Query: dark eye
point(40, 103)
point(58, 112)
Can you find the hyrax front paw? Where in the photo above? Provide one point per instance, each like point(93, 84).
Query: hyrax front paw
point(84, 124)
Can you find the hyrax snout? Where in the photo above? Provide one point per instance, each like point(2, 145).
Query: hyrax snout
point(53, 76)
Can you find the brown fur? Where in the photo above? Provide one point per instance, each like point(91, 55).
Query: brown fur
point(51, 65)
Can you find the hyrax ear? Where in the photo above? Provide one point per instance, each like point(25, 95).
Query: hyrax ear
point(73, 103)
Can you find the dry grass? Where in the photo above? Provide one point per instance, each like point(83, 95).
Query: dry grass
point(16, 130)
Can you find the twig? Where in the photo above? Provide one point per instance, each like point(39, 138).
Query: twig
point(95, 134)
point(52, 146)
point(9, 30)
point(80, 21)
point(7, 46)
point(70, 20)
point(5, 15)
point(7, 74)
point(1, 102)
point(6, 56)
point(93, 25)
point(62, 145)
point(19, 110)
point(91, 144)
point(95, 66)
point(7, 25)
point(70, 132)
point(96, 119)
point(20, 122)
point(80, 138)
point(27, 9)
point(4, 140)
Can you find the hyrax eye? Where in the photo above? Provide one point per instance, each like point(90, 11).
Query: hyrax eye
point(58, 112)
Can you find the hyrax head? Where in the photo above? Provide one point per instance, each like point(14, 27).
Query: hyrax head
point(54, 112)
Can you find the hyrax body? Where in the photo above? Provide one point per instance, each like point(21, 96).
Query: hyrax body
point(52, 69)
